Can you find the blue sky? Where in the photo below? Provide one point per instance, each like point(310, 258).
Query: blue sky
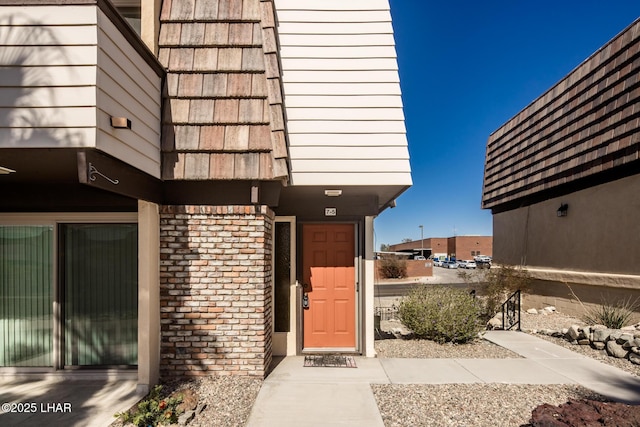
point(466, 67)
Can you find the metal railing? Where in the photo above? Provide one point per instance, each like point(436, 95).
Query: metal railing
point(511, 312)
point(386, 313)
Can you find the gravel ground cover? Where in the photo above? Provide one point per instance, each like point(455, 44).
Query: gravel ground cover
point(423, 349)
point(478, 405)
point(229, 399)
point(468, 405)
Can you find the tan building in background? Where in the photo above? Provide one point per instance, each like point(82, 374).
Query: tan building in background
point(562, 181)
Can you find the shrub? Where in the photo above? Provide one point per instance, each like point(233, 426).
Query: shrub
point(613, 316)
point(393, 268)
point(153, 410)
point(441, 314)
point(497, 284)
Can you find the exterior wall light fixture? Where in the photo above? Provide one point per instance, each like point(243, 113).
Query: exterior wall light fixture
point(333, 193)
point(120, 123)
point(5, 171)
point(562, 210)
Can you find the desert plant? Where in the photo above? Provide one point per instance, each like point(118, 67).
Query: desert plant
point(495, 285)
point(441, 314)
point(393, 267)
point(613, 316)
point(610, 315)
point(500, 283)
point(153, 410)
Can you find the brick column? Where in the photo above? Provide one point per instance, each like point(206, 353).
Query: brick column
point(215, 290)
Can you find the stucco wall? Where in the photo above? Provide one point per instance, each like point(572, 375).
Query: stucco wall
point(562, 296)
point(599, 234)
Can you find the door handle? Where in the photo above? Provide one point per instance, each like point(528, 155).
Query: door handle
point(305, 301)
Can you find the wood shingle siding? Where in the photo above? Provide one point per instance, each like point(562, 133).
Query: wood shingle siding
point(586, 124)
point(224, 104)
point(342, 93)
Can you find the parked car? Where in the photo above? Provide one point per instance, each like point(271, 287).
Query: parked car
point(437, 262)
point(467, 264)
point(483, 258)
point(483, 264)
point(419, 258)
point(450, 264)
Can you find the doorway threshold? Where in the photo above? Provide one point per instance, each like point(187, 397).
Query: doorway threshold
point(69, 374)
point(330, 350)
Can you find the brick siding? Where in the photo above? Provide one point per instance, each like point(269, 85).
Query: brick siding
point(462, 247)
point(466, 247)
point(215, 290)
point(417, 268)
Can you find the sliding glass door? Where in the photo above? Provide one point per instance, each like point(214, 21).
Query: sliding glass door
point(100, 277)
point(88, 271)
point(26, 296)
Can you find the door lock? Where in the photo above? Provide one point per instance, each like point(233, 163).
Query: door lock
point(305, 301)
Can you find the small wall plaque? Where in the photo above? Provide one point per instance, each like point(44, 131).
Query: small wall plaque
point(330, 211)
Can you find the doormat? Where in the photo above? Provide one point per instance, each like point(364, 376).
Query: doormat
point(329, 361)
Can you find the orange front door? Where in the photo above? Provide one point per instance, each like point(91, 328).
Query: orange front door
point(328, 252)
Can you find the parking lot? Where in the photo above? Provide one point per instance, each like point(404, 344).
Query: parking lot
point(441, 276)
point(449, 276)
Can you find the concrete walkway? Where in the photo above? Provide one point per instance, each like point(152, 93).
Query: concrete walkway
point(293, 395)
point(53, 402)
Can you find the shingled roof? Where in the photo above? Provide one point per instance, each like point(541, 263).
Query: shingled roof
point(585, 125)
point(223, 115)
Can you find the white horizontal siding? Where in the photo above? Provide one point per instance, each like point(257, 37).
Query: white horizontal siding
point(350, 76)
point(342, 88)
point(350, 165)
point(377, 179)
point(345, 126)
point(337, 40)
point(344, 101)
point(345, 152)
point(48, 77)
point(335, 28)
point(127, 87)
point(51, 116)
point(342, 93)
point(65, 70)
point(49, 15)
point(283, 5)
point(350, 16)
point(139, 135)
point(39, 35)
point(338, 52)
point(317, 64)
point(56, 96)
point(364, 140)
point(48, 56)
point(57, 137)
point(295, 114)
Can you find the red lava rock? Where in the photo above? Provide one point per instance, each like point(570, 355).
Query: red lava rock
point(586, 413)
